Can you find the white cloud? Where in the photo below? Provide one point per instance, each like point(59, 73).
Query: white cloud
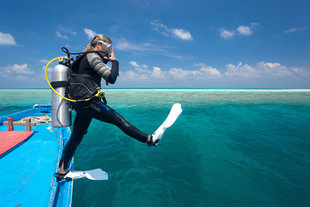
point(209, 71)
point(161, 28)
point(244, 30)
point(142, 72)
point(6, 39)
point(16, 72)
point(254, 24)
point(20, 77)
point(67, 30)
point(179, 73)
point(157, 73)
point(261, 72)
point(59, 35)
point(176, 32)
point(90, 33)
point(295, 29)
point(226, 34)
point(64, 32)
point(123, 44)
point(241, 29)
point(182, 34)
point(240, 70)
point(45, 61)
point(264, 70)
point(274, 69)
point(136, 65)
point(21, 69)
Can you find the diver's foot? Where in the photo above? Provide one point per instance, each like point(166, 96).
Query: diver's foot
point(156, 136)
point(60, 176)
point(150, 141)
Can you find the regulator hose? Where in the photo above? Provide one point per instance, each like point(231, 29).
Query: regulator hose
point(100, 92)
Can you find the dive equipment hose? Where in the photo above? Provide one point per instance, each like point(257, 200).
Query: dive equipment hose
point(100, 92)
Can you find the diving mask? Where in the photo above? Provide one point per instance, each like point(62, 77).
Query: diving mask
point(106, 46)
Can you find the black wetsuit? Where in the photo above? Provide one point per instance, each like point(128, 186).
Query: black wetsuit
point(96, 109)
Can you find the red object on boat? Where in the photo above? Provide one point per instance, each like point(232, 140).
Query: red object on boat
point(11, 127)
point(9, 139)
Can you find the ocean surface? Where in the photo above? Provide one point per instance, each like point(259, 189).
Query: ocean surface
point(228, 148)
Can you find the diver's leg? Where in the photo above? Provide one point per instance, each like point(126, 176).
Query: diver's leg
point(80, 126)
point(105, 113)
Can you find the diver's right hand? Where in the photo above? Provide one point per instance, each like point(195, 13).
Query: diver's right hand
point(112, 57)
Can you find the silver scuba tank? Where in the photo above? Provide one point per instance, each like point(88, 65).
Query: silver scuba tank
point(61, 111)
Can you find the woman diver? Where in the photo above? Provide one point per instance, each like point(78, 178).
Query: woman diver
point(91, 68)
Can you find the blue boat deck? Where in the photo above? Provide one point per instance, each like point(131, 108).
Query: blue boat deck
point(27, 171)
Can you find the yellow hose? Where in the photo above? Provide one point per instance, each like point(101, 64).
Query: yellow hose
point(100, 92)
point(68, 99)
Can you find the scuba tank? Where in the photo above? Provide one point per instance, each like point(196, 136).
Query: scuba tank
point(61, 110)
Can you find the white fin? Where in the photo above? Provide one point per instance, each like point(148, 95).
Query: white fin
point(96, 174)
point(174, 114)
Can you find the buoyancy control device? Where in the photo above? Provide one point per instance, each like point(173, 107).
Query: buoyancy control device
point(80, 85)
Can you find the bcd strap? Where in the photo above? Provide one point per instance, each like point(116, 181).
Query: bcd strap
point(57, 84)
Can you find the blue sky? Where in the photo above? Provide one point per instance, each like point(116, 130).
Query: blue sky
point(187, 44)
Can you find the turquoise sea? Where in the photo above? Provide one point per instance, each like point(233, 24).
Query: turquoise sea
point(239, 147)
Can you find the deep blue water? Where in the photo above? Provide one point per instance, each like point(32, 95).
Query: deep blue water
point(228, 148)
